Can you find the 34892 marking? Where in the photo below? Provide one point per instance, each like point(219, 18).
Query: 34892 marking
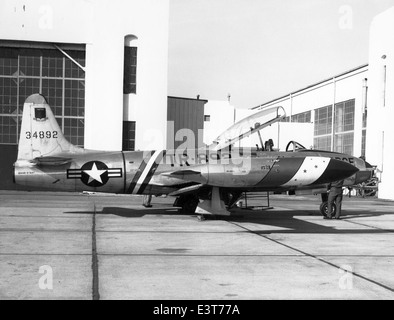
point(41, 135)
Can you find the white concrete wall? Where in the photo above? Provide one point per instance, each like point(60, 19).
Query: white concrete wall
point(46, 21)
point(102, 26)
point(222, 117)
point(149, 106)
point(380, 128)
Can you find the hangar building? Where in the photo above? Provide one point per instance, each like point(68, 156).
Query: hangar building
point(380, 129)
point(103, 68)
point(350, 112)
point(336, 108)
point(102, 65)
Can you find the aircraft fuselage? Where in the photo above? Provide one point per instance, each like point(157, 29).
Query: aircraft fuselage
point(162, 172)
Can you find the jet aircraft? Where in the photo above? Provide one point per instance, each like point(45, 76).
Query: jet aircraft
point(204, 181)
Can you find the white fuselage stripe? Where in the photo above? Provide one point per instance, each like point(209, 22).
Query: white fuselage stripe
point(311, 169)
point(146, 171)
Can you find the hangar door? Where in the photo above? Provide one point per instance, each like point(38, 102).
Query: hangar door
point(27, 68)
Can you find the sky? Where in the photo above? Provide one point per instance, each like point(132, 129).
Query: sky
point(258, 50)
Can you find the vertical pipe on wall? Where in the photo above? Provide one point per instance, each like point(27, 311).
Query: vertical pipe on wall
point(333, 114)
point(364, 115)
point(384, 84)
point(365, 96)
point(384, 75)
point(382, 163)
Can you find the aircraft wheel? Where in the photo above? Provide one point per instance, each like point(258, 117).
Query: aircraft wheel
point(188, 204)
point(324, 209)
point(147, 200)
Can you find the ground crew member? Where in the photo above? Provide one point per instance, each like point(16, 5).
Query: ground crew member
point(335, 195)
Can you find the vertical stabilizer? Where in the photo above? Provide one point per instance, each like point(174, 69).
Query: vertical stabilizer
point(40, 134)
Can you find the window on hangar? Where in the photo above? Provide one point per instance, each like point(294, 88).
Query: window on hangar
point(344, 127)
point(342, 134)
point(27, 68)
point(129, 88)
point(128, 136)
point(323, 128)
point(130, 70)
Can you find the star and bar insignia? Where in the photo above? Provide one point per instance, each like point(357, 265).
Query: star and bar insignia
point(94, 173)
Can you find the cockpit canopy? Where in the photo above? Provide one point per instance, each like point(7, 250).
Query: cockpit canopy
point(248, 126)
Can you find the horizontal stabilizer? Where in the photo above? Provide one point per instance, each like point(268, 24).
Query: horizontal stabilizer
point(52, 161)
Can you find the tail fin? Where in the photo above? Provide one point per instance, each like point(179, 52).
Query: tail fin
point(40, 134)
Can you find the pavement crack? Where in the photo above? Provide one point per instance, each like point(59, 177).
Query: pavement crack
point(315, 257)
point(368, 226)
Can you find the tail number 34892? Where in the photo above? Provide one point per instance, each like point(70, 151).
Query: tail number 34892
point(41, 135)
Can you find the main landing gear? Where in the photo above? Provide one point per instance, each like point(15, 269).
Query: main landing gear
point(146, 202)
point(208, 202)
point(188, 203)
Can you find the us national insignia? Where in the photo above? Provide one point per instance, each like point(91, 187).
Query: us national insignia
point(94, 174)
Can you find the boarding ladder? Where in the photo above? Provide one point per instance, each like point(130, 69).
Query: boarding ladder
point(254, 201)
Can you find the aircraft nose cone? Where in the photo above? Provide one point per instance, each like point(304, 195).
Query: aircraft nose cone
point(337, 170)
point(363, 176)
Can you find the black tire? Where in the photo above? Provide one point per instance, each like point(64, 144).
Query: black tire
point(146, 201)
point(324, 209)
point(189, 207)
point(188, 204)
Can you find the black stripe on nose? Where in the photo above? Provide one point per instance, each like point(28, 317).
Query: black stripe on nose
point(336, 170)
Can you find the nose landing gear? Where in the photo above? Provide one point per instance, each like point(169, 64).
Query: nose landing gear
point(324, 206)
point(324, 209)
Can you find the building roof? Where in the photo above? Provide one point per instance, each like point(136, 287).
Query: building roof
point(312, 85)
point(192, 99)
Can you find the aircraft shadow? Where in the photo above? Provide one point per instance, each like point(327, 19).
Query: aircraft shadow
point(291, 222)
point(131, 212)
point(265, 222)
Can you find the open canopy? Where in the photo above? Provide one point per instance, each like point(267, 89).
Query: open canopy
point(248, 126)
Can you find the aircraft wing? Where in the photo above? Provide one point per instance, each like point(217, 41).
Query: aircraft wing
point(189, 175)
point(186, 190)
point(248, 126)
point(181, 173)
